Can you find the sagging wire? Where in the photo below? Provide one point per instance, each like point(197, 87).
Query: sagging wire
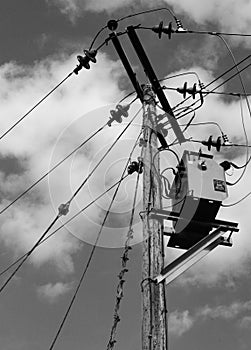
point(239, 73)
point(61, 226)
point(180, 75)
point(34, 107)
point(51, 170)
point(237, 202)
point(28, 254)
point(123, 176)
point(123, 271)
point(102, 158)
point(63, 209)
point(247, 152)
point(114, 22)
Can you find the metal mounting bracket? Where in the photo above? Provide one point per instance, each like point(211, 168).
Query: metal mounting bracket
point(191, 256)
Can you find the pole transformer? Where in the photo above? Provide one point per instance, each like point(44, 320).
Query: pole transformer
point(154, 322)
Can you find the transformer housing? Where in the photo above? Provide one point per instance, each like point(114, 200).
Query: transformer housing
point(197, 192)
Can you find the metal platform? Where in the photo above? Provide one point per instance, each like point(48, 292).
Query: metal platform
point(200, 249)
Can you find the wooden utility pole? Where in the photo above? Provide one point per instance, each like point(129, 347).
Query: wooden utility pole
point(154, 323)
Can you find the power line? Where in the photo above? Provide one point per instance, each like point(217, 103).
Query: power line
point(92, 251)
point(219, 77)
point(35, 106)
point(28, 254)
point(186, 31)
point(60, 227)
point(52, 169)
point(102, 158)
point(64, 208)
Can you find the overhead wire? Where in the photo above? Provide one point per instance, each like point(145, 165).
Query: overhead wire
point(61, 226)
point(34, 107)
point(92, 250)
point(247, 153)
point(219, 77)
point(65, 208)
point(51, 170)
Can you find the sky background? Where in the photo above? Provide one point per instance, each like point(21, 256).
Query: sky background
point(209, 306)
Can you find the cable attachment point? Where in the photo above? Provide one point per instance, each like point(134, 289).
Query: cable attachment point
point(84, 61)
point(159, 29)
point(184, 90)
point(63, 209)
point(136, 166)
point(210, 143)
point(179, 24)
point(122, 111)
point(160, 117)
point(225, 139)
point(112, 24)
point(142, 142)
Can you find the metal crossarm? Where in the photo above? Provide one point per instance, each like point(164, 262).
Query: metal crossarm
point(190, 257)
point(154, 82)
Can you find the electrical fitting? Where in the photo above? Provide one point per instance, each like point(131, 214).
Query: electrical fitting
point(136, 166)
point(210, 143)
point(159, 29)
point(116, 115)
point(84, 61)
point(63, 209)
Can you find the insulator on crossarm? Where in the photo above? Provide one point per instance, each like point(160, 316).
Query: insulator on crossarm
point(210, 143)
point(192, 91)
point(183, 90)
point(159, 29)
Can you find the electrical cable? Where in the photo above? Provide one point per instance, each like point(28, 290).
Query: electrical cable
point(179, 75)
point(102, 158)
point(207, 93)
point(92, 251)
point(247, 153)
point(35, 106)
point(239, 73)
point(61, 226)
point(212, 33)
point(148, 11)
point(52, 169)
point(217, 78)
point(28, 254)
point(65, 209)
point(237, 202)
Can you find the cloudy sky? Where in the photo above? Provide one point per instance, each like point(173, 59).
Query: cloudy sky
point(209, 306)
